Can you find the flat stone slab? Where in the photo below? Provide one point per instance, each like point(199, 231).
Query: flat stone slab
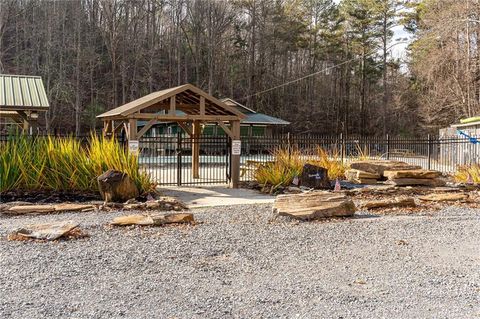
point(50, 231)
point(414, 173)
point(416, 182)
point(356, 173)
point(48, 208)
point(379, 166)
point(153, 220)
point(313, 205)
point(397, 202)
point(446, 197)
point(30, 209)
point(163, 203)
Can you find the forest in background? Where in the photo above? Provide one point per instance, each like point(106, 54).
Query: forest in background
point(94, 55)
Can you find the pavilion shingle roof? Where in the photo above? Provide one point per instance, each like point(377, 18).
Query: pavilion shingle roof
point(187, 97)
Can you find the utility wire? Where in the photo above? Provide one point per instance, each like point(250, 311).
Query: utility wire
point(315, 73)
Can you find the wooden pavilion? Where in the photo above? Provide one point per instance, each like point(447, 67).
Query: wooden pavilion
point(22, 98)
point(197, 107)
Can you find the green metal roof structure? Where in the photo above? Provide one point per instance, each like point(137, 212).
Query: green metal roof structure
point(254, 118)
point(22, 93)
point(22, 97)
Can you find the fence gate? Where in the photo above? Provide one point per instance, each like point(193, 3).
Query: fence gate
point(168, 159)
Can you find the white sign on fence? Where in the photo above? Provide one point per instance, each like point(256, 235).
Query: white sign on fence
point(133, 146)
point(236, 147)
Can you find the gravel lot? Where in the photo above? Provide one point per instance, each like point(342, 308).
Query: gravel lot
point(236, 263)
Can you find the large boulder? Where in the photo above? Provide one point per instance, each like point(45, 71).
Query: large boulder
point(115, 186)
point(314, 176)
point(313, 205)
point(380, 166)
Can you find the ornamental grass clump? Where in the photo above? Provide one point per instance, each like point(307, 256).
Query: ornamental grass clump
point(288, 163)
point(64, 164)
point(468, 174)
point(332, 161)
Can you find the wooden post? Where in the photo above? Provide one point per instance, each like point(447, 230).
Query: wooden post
point(202, 105)
point(235, 178)
point(172, 106)
point(106, 127)
point(26, 126)
point(132, 129)
point(196, 149)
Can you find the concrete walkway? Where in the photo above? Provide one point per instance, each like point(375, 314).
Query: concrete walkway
point(196, 197)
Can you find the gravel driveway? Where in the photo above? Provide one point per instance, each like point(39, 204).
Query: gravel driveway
point(236, 263)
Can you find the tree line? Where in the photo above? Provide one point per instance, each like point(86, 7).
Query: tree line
point(95, 55)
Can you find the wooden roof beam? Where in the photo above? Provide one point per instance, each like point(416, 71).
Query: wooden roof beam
point(183, 118)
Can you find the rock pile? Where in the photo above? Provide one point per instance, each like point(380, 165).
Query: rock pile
point(394, 172)
point(314, 205)
point(379, 166)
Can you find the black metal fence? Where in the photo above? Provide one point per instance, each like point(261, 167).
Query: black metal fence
point(168, 158)
point(444, 154)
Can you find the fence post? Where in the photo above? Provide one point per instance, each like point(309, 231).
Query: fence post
point(342, 148)
point(388, 147)
point(429, 150)
point(179, 158)
point(289, 143)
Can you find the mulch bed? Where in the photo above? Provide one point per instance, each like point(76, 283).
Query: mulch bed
point(55, 197)
point(47, 197)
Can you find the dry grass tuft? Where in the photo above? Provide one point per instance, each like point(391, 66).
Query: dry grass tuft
point(468, 174)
